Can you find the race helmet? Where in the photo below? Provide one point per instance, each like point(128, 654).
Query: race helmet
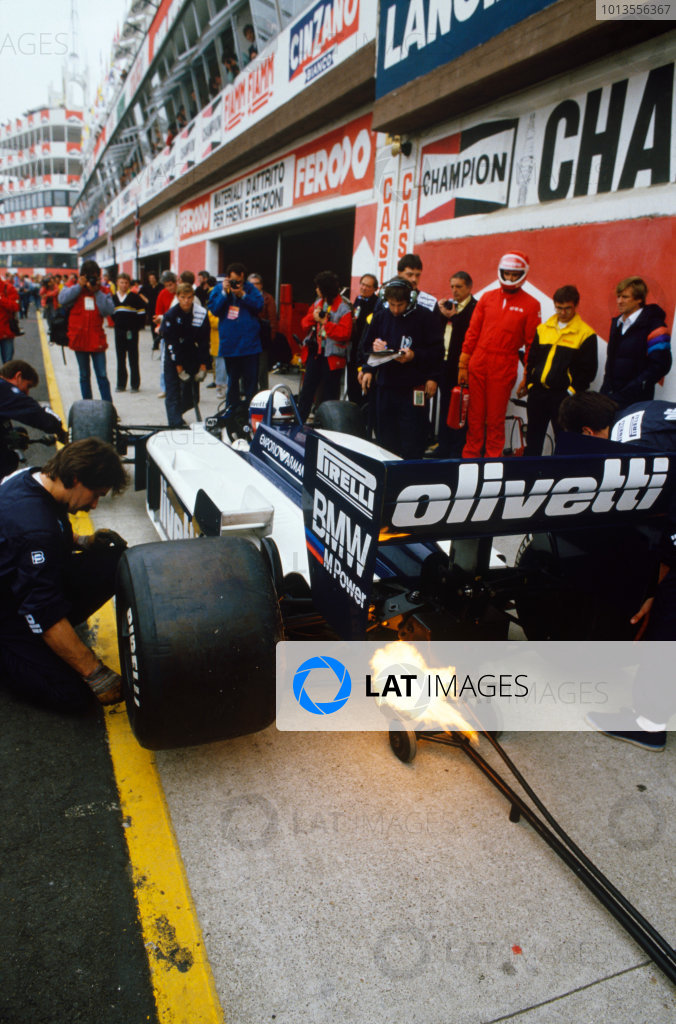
point(282, 408)
point(513, 261)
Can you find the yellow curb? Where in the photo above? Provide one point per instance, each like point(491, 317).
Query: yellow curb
point(181, 977)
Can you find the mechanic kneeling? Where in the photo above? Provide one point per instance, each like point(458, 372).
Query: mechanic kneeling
point(50, 580)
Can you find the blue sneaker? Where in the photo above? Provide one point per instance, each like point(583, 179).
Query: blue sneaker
point(625, 726)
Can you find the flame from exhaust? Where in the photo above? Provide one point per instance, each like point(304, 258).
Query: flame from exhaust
point(438, 713)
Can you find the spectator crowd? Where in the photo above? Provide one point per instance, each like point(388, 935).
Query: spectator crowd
point(408, 360)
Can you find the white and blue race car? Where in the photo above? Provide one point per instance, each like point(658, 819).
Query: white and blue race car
point(290, 531)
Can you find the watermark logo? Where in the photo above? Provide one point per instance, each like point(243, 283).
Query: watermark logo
point(321, 665)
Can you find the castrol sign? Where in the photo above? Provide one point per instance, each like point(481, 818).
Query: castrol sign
point(338, 163)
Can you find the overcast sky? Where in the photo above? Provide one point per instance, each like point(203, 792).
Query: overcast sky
point(35, 37)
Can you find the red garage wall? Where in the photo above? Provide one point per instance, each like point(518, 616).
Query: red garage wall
point(594, 257)
point(192, 257)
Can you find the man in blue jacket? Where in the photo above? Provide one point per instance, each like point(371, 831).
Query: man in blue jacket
point(236, 302)
point(17, 378)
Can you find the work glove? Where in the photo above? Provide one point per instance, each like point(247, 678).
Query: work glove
point(17, 438)
point(200, 375)
point(105, 684)
point(184, 375)
point(107, 539)
point(101, 539)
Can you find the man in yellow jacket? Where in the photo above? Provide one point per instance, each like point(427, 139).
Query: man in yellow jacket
point(562, 360)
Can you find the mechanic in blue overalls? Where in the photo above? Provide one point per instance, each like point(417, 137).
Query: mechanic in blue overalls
point(649, 424)
point(17, 378)
point(51, 581)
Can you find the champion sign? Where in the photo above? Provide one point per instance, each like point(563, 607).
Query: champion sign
point(466, 173)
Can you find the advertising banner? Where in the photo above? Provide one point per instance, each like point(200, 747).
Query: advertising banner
point(417, 36)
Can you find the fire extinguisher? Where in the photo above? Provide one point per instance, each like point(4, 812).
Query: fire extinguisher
point(457, 408)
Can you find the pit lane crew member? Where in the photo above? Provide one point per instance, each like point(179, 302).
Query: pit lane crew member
point(186, 335)
point(408, 371)
point(362, 306)
point(650, 425)
point(88, 303)
point(329, 325)
point(16, 380)
point(504, 321)
point(563, 358)
point(51, 581)
point(237, 303)
point(457, 312)
point(639, 346)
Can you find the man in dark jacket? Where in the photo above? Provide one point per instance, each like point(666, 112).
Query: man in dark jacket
point(650, 426)
point(362, 307)
point(458, 312)
point(51, 581)
point(404, 349)
point(16, 380)
point(128, 317)
point(186, 333)
point(639, 346)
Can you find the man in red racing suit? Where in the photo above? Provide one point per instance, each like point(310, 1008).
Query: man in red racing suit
point(504, 321)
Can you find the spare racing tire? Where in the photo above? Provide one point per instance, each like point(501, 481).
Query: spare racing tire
point(197, 621)
point(343, 416)
point(92, 418)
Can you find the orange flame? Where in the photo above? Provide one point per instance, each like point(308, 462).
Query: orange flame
point(421, 711)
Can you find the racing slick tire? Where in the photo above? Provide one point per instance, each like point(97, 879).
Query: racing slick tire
point(92, 418)
point(345, 417)
point(197, 621)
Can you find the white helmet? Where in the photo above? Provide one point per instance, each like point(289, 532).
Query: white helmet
point(513, 261)
point(282, 408)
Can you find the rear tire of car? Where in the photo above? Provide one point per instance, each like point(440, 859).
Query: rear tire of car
point(198, 621)
point(92, 418)
point(345, 417)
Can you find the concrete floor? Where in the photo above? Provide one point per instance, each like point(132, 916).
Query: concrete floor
point(334, 883)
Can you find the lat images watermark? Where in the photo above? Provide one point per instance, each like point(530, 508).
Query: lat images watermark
point(33, 44)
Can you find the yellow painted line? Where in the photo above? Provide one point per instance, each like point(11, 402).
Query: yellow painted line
point(180, 973)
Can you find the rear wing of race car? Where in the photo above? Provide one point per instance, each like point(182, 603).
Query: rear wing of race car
point(354, 502)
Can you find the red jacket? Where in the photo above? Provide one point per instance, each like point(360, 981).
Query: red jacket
point(9, 305)
point(85, 326)
point(501, 324)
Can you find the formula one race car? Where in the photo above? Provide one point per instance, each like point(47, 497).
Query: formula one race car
point(279, 530)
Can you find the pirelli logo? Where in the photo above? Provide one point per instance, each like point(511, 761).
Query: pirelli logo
point(353, 483)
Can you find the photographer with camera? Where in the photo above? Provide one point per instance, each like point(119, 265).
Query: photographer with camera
point(87, 305)
point(327, 345)
point(16, 380)
point(237, 304)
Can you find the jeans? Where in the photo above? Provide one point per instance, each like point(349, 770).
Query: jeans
point(6, 349)
point(99, 362)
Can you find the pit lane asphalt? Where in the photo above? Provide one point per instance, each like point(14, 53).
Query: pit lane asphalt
point(333, 883)
point(72, 945)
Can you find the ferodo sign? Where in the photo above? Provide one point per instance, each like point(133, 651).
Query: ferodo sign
point(194, 217)
point(338, 163)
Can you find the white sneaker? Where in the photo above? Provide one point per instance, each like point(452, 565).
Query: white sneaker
point(161, 394)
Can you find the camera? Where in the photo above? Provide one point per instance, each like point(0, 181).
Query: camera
point(234, 283)
point(92, 280)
